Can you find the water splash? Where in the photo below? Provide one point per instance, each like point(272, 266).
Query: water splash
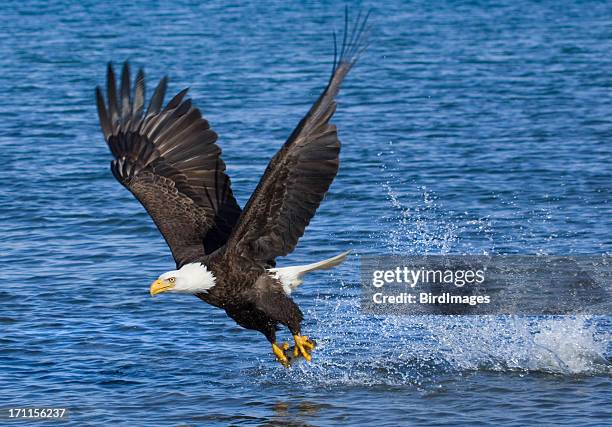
point(571, 345)
point(360, 350)
point(418, 229)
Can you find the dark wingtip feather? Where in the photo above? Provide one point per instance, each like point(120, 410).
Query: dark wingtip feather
point(139, 99)
point(126, 102)
point(176, 100)
point(111, 89)
point(335, 53)
point(102, 113)
point(345, 32)
point(158, 97)
point(356, 43)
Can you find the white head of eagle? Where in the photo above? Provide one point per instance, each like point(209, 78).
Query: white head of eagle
point(189, 279)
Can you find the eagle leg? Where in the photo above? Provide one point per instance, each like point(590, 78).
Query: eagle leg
point(280, 354)
point(302, 347)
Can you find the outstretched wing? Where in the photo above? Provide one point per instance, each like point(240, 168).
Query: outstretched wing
point(169, 160)
point(300, 174)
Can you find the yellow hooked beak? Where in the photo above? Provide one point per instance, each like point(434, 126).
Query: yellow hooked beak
point(159, 286)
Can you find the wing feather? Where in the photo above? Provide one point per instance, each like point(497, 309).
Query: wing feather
point(299, 175)
point(169, 160)
point(157, 99)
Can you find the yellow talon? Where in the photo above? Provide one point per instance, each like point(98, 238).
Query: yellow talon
point(309, 344)
point(302, 345)
point(280, 354)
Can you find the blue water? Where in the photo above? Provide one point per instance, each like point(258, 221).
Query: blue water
point(467, 128)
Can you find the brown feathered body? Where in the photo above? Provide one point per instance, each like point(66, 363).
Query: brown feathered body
point(252, 297)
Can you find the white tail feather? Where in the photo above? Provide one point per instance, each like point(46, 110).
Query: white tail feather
point(293, 276)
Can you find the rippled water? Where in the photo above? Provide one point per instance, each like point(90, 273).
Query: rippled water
point(466, 129)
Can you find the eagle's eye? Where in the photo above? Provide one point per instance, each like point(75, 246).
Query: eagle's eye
point(172, 279)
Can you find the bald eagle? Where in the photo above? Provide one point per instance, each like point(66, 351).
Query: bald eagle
point(167, 158)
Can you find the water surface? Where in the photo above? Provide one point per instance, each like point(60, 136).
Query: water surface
point(467, 128)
